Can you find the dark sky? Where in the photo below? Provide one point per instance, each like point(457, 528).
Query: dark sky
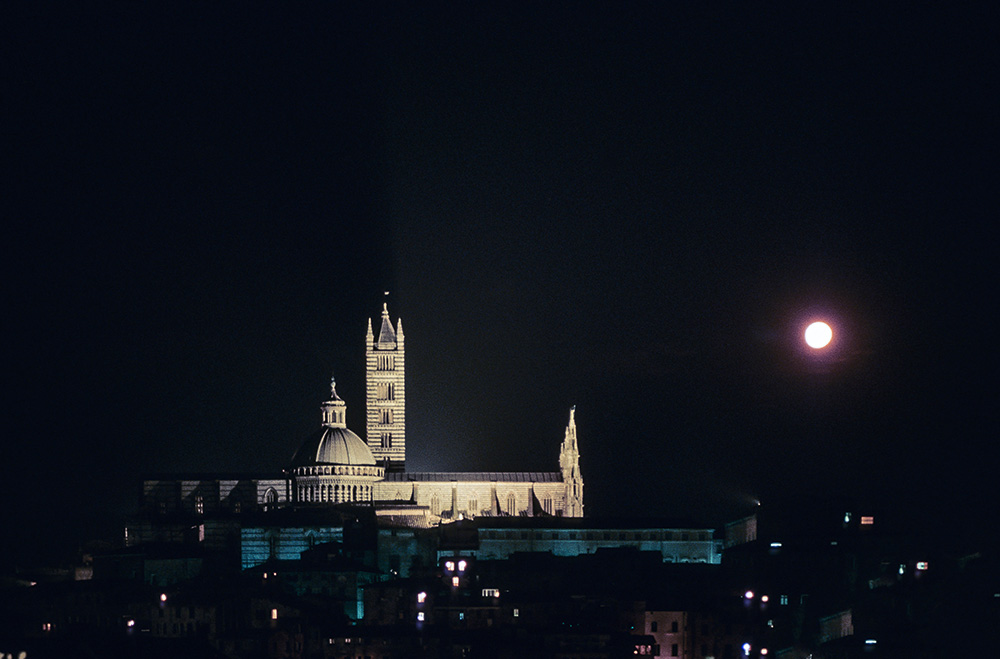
point(633, 210)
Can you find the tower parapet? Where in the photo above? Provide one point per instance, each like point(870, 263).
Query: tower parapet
point(386, 393)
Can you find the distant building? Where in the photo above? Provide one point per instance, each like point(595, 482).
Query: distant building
point(335, 467)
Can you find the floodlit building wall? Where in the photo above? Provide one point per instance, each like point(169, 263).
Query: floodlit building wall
point(260, 544)
point(674, 545)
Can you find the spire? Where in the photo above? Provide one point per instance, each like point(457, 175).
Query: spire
point(569, 465)
point(386, 335)
point(369, 335)
point(569, 444)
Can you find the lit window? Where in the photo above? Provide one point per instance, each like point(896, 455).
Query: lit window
point(199, 505)
point(46, 626)
point(870, 641)
point(454, 582)
point(421, 598)
point(130, 623)
point(775, 545)
point(163, 597)
point(922, 565)
point(420, 616)
point(274, 614)
point(461, 566)
point(517, 612)
point(461, 615)
point(746, 649)
point(449, 566)
point(491, 592)
point(867, 521)
point(784, 600)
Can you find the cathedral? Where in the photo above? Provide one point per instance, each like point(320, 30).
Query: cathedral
point(334, 468)
point(334, 465)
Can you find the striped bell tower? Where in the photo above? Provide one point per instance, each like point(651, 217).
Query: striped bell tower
point(386, 393)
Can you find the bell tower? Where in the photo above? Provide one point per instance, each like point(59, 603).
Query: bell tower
point(386, 393)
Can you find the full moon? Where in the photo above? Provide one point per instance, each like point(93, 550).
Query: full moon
point(818, 335)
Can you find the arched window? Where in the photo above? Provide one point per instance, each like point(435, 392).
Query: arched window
point(473, 507)
point(354, 493)
point(547, 505)
point(336, 493)
point(270, 498)
point(511, 503)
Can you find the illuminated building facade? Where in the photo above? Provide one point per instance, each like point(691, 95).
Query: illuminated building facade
point(335, 458)
point(334, 466)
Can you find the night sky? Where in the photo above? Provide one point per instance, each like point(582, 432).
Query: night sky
point(630, 209)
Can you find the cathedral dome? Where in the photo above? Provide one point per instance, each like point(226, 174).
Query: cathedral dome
point(333, 446)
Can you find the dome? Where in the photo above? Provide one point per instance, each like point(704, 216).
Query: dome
point(333, 446)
